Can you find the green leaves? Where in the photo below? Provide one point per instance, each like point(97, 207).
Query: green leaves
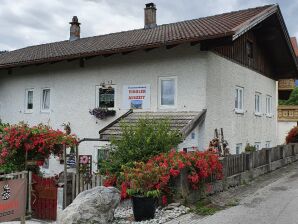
point(139, 142)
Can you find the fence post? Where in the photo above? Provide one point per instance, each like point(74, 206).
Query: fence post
point(65, 179)
point(224, 161)
point(268, 157)
point(250, 162)
point(29, 192)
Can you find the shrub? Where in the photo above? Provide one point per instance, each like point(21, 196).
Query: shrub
point(250, 148)
point(37, 141)
point(160, 172)
point(139, 142)
point(293, 99)
point(292, 136)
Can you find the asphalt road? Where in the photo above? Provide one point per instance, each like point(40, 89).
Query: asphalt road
point(276, 203)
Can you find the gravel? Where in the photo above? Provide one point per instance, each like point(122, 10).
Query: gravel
point(124, 213)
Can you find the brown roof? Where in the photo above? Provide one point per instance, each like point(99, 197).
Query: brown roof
point(227, 24)
point(184, 122)
point(294, 44)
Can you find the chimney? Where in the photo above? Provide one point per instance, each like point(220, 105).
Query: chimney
point(74, 29)
point(150, 16)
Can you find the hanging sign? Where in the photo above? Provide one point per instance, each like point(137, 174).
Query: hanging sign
point(12, 199)
point(136, 97)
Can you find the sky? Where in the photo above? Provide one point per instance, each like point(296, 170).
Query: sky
point(31, 22)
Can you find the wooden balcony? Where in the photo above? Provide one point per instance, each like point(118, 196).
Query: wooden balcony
point(287, 113)
point(286, 84)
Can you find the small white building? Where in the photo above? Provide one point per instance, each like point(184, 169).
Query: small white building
point(213, 72)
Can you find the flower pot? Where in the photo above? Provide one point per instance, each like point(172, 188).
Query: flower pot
point(143, 208)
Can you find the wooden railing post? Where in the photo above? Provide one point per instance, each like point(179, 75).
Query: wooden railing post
point(224, 161)
point(250, 160)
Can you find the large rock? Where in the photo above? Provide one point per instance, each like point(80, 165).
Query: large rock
point(96, 205)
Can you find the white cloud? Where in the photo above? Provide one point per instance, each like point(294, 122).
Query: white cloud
point(33, 22)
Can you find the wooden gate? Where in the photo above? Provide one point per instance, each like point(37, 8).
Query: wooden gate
point(44, 198)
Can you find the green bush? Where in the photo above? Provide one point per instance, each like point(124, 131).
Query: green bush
point(293, 99)
point(250, 148)
point(139, 142)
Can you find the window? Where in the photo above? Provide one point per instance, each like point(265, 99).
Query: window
point(29, 101)
point(258, 145)
point(168, 92)
point(238, 148)
point(249, 49)
point(267, 144)
point(239, 100)
point(258, 103)
point(46, 100)
point(269, 106)
point(105, 97)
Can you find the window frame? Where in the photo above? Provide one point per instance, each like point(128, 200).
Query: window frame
point(29, 111)
point(160, 79)
point(267, 144)
point(258, 113)
point(239, 145)
point(237, 109)
point(269, 106)
point(258, 146)
point(42, 110)
point(97, 87)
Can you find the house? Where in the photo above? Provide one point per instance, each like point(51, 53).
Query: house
point(214, 72)
point(287, 114)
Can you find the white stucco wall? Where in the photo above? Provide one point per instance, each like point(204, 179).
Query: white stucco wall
point(204, 80)
point(283, 129)
point(73, 88)
point(222, 78)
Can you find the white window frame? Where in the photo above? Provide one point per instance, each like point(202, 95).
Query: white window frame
point(269, 106)
point(258, 111)
point(97, 87)
point(267, 144)
point(29, 111)
point(239, 108)
point(258, 145)
point(42, 110)
point(239, 146)
point(160, 79)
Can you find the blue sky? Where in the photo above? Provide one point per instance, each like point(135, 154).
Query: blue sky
point(25, 22)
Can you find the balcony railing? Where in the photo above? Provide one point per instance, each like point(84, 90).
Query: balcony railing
point(286, 84)
point(288, 113)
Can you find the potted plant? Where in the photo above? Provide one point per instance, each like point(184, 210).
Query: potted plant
point(102, 112)
point(143, 187)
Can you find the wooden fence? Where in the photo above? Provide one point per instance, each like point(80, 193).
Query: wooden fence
point(236, 164)
point(235, 167)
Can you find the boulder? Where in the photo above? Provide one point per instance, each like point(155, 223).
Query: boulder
point(96, 205)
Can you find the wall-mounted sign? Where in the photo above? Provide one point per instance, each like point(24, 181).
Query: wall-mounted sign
point(12, 199)
point(136, 97)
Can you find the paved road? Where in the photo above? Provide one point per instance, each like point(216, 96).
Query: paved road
point(277, 203)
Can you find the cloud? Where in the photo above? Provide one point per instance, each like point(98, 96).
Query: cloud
point(25, 23)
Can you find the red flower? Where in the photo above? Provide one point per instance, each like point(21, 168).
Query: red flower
point(164, 200)
point(174, 172)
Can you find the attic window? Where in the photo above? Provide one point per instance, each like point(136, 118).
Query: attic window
point(249, 49)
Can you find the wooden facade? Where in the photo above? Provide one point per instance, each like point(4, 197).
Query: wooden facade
point(239, 51)
point(288, 113)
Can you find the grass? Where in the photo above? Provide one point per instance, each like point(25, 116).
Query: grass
point(205, 208)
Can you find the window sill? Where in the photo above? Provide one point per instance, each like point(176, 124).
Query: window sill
point(28, 112)
point(239, 112)
point(45, 111)
point(258, 114)
point(269, 115)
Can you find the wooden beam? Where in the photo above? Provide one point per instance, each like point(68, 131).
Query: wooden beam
point(127, 52)
point(107, 55)
point(150, 49)
point(171, 46)
point(194, 43)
